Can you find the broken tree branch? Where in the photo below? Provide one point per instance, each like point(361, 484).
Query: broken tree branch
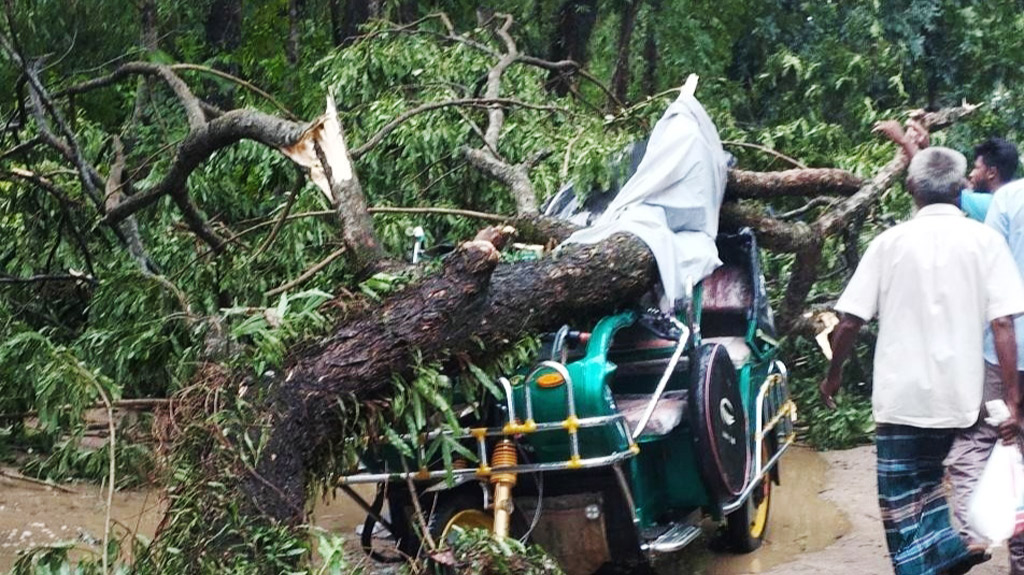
point(391, 126)
point(221, 132)
point(766, 150)
point(487, 158)
point(312, 271)
point(802, 182)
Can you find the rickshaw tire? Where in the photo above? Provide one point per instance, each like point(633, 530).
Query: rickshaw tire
point(746, 528)
point(442, 510)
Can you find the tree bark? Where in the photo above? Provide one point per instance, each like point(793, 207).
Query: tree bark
point(150, 36)
point(356, 13)
point(224, 35)
point(337, 32)
point(472, 301)
point(224, 24)
point(576, 20)
point(649, 84)
point(292, 47)
point(621, 76)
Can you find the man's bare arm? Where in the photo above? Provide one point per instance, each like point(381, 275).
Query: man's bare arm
point(1006, 351)
point(911, 141)
point(843, 338)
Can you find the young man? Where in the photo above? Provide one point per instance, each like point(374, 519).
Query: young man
point(995, 164)
point(933, 282)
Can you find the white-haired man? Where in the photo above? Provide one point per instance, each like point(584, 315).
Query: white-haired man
point(934, 282)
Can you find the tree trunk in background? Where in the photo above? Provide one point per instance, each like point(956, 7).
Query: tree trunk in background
point(224, 35)
point(407, 11)
point(649, 84)
point(149, 39)
point(620, 78)
point(336, 17)
point(224, 25)
point(572, 34)
point(147, 13)
point(292, 48)
point(356, 13)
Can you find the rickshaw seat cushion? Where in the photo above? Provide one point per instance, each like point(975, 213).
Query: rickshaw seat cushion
point(667, 415)
point(728, 289)
point(737, 348)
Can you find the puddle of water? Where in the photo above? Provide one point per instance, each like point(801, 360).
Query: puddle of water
point(340, 514)
point(33, 515)
point(800, 520)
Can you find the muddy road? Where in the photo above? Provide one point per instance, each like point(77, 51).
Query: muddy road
point(824, 521)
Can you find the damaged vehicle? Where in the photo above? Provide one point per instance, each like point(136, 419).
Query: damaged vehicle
point(628, 432)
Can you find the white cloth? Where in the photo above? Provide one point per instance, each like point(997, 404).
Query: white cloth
point(1006, 216)
point(934, 282)
point(671, 203)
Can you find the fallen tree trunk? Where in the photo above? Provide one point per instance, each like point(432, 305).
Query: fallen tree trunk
point(472, 302)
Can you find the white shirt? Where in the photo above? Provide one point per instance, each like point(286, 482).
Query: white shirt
point(934, 282)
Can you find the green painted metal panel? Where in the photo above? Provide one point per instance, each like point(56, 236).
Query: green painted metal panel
point(665, 479)
point(592, 398)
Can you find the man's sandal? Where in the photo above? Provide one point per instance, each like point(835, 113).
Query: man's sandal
point(976, 555)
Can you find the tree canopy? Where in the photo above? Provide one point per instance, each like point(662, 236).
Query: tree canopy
point(158, 244)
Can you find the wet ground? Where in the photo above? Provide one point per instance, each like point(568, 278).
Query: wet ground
point(824, 521)
point(33, 515)
point(801, 520)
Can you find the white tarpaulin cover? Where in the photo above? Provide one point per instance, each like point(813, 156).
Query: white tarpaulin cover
point(672, 201)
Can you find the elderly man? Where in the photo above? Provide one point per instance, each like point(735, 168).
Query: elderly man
point(934, 282)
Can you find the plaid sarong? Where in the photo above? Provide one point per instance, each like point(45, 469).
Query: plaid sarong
point(912, 498)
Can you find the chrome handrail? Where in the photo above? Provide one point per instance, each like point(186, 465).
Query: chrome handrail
point(777, 374)
point(742, 497)
point(587, 463)
point(684, 337)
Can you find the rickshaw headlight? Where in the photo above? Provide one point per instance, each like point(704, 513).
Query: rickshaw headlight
point(550, 379)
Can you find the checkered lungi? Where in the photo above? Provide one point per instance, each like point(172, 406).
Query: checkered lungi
point(912, 498)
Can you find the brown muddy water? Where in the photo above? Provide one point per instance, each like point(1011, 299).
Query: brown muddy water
point(31, 515)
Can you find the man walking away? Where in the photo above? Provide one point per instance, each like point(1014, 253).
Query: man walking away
point(995, 164)
point(933, 282)
point(972, 446)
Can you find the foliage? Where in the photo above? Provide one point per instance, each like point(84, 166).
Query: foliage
point(476, 551)
point(805, 78)
point(850, 423)
point(271, 330)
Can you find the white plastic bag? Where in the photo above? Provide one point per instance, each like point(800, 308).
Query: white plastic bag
point(998, 499)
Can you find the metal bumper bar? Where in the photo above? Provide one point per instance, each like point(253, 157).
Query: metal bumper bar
point(424, 475)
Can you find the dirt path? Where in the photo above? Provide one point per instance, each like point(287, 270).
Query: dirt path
point(850, 485)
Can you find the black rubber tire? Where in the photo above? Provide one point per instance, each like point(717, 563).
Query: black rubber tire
point(448, 505)
point(719, 423)
point(440, 508)
point(747, 527)
point(402, 517)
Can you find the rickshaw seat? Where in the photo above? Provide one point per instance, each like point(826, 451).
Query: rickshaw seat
point(667, 415)
point(728, 289)
point(737, 348)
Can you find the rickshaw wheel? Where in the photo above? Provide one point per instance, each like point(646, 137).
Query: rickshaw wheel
point(747, 526)
point(466, 519)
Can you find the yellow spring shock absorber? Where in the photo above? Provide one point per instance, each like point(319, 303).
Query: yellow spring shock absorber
point(504, 456)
